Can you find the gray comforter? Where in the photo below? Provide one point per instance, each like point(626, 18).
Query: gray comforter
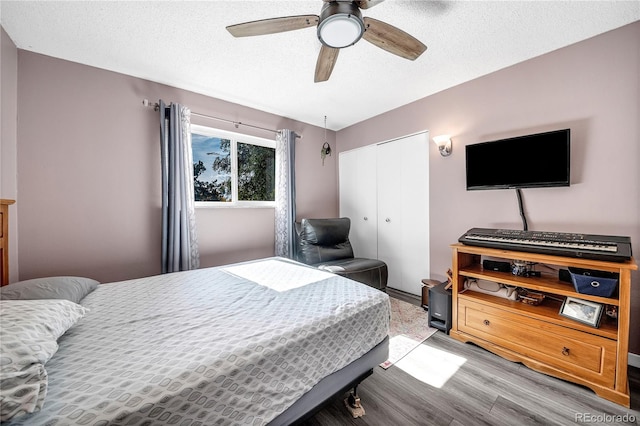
point(231, 345)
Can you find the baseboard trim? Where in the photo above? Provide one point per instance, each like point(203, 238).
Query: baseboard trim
point(634, 360)
point(404, 296)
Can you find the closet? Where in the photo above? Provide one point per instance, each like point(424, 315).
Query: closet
point(384, 189)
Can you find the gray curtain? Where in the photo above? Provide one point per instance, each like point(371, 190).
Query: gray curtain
point(285, 213)
point(179, 241)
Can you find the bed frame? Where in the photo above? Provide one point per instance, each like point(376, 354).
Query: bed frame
point(333, 386)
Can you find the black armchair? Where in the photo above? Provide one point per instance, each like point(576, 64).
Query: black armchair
point(324, 243)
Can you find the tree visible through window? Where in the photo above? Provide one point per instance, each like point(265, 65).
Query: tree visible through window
point(256, 172)
point(231, 168)
point(211, 169)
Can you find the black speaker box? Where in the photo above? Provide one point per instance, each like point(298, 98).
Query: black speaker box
point(493, 265)
point(440, 308)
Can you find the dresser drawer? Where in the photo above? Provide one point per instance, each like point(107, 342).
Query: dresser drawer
point(572, 351)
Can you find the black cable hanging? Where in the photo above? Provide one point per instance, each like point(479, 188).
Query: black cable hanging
point(524, 219)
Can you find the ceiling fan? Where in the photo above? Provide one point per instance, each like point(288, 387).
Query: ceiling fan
point(340, 24)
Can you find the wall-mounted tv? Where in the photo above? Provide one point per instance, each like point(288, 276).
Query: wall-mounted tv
point(532, 161)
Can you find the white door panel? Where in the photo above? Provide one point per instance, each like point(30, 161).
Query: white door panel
point(358, 199)
point(384, 189)
point(389, 211)
point(403, 191)
point(415, 210)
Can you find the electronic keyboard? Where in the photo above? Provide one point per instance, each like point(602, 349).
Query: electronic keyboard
point(597, 247)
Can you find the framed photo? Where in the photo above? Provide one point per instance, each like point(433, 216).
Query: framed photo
point(582, 310)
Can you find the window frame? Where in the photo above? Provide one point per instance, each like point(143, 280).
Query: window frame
point(234, 137)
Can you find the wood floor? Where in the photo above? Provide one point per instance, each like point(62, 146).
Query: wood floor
point(485, 390)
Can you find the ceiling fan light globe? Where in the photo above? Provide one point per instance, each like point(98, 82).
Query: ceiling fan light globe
point(340, 30)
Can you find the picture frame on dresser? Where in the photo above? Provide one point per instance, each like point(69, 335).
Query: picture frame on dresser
point(584, 311)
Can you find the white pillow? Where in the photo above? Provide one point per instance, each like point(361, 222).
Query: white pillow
point(28, 339)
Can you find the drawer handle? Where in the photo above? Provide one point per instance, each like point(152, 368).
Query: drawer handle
point(595, 284)
point(487, 322)
point(565, 351)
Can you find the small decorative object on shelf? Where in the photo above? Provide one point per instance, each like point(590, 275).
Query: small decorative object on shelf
point(530, 297)
point(522, 268)
point(491, 287)
point(612, 311)
point(582, 310)
point(596, 283)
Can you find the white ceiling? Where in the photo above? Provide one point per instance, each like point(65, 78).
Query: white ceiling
point(185, 45)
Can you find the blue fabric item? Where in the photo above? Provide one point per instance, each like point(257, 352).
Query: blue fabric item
point(285, 212)
point(179, 238)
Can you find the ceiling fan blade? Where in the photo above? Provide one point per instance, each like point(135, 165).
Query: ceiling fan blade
point(392, 39)
point(368, 4)
point(273, 25)
point(326, 60)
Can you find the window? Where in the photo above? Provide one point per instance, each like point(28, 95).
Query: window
point(231, 169)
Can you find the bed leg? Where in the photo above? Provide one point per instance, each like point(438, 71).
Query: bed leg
point(352, 402)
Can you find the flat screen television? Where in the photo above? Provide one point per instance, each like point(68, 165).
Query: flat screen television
point(532, 161)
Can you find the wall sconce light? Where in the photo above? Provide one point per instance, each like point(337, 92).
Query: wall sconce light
point(444, 144)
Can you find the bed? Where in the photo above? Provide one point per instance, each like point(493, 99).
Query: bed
point(254, 343)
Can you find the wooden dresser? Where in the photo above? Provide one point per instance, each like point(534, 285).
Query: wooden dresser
point(538, 336)
point(4, 240)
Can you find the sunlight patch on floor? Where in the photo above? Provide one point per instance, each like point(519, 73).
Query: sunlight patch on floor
point(430, 365)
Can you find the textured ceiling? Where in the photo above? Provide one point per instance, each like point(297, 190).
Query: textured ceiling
point(185, 45)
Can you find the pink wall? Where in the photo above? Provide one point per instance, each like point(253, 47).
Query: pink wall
point(89, 174)
point(88, 160)
point(591, 87)
point(8, 137)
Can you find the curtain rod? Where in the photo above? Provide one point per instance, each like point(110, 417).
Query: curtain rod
point(156, 107)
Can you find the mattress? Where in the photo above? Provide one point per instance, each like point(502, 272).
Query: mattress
point(236, 344)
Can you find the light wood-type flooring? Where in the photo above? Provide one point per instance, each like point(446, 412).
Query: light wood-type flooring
point(446, 382)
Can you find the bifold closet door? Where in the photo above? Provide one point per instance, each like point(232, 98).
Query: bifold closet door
point(403, 211)
point(358, 199)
